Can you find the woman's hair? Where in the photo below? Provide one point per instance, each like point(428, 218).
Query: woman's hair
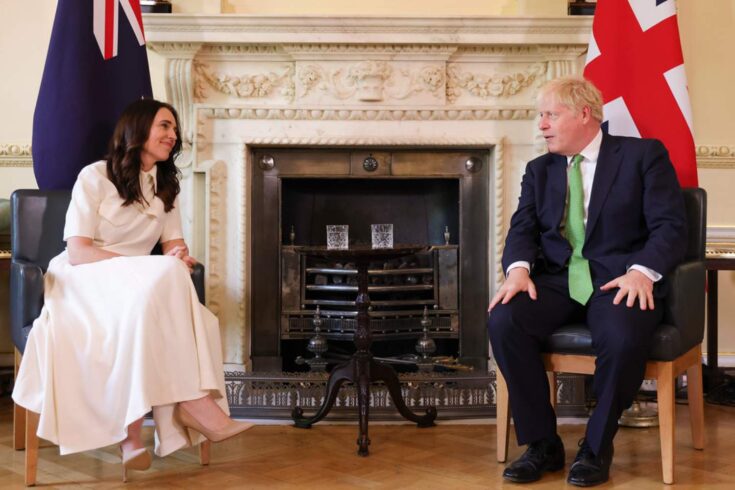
point(575, 93)
point(123, 156)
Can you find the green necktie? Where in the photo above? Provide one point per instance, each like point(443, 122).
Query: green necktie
point(580, 280)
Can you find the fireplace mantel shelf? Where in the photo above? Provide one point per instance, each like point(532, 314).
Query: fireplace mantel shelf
point(234, 29)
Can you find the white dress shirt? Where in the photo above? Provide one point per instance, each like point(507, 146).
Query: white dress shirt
point(588, 166)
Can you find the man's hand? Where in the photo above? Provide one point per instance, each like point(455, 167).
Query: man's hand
point(518, 280)
point(634, 284)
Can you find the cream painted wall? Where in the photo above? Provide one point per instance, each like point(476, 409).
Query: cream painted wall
point(707, 30)
point(24, 38)
point(375, 7)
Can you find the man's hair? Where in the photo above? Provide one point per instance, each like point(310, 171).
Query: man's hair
point(575, 93)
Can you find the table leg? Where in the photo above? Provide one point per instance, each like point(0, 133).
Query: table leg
point(340, 374)
point(712, 361)
point(387, 374)
point(363, 404)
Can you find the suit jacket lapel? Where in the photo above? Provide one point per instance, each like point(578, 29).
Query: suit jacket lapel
point(558, 180)
point(608, 164)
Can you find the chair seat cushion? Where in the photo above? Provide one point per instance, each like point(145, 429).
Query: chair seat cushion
point(576, 339)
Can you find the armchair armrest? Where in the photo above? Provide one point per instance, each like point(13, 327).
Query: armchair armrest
point(197, 277)
point(26, 299)
point(684, 307)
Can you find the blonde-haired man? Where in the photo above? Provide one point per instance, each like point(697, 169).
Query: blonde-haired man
point(600, 223)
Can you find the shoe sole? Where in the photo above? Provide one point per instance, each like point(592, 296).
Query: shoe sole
point(548, 469)
point(586, 484)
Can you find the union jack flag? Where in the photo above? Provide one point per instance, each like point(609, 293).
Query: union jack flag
point(106, 23)
point(95, 66)
point(635, 59)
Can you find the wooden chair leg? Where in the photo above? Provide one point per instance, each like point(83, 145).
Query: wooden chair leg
point(502, 416)
point(695, 396)
point(31, 447)
point(552, 387)
point(666, 418)
point(205, 448)
point(19, 415)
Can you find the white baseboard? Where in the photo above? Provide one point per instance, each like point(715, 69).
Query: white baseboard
point(726, 360)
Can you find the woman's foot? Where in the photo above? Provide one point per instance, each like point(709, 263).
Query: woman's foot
point(206, 417)
point(134, 455)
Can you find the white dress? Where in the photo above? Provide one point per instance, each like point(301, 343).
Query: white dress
point(118, 337)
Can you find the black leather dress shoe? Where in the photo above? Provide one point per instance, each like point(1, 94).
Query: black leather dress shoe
point(543, 455)
point(590, 469)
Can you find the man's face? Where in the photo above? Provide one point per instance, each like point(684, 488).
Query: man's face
point(565, 132)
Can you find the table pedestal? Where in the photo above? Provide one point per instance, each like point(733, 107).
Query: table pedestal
point(362, 369)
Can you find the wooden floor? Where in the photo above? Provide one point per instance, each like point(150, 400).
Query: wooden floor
point(401, 456)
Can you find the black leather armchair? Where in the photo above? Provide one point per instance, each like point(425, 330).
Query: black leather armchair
point(677, 345)
point(37, 228)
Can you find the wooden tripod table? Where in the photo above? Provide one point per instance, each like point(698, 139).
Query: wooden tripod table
point(361, 369)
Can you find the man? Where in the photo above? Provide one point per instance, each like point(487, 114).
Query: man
point(600, 223)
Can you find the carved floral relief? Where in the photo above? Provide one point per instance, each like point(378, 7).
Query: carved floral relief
point(370, 81)
point(258, 86)
point(493, 85)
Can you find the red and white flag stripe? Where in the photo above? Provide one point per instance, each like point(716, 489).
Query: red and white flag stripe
point(106, 21)
point(635, 59)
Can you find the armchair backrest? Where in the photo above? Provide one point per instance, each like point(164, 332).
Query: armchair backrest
point(37, 225)
point(684, 304)
point(695, 201)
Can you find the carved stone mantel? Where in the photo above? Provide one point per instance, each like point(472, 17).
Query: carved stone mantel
point(245, 81)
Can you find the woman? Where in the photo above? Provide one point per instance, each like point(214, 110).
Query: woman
point(122, 332)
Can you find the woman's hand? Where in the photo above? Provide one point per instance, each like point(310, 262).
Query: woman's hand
point(81, 250)
point(178, 249)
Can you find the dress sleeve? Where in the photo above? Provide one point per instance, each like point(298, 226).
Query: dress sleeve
point(82, 217)
point(172, 224)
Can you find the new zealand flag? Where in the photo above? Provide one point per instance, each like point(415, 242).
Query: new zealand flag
point(96, 65)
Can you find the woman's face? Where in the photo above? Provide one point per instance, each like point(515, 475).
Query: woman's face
point(161, 139)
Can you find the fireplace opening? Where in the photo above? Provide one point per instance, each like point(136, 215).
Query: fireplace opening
point(434, 198)
point(403, 291)
point(422, 211)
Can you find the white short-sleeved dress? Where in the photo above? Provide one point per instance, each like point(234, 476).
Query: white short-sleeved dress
point(120, 336)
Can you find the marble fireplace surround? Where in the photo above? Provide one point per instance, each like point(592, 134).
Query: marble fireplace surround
point(241, 82)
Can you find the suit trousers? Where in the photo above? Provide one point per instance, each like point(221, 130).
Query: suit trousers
point(621, 339)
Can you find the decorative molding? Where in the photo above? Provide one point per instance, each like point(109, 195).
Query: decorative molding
point(12, 155)
point(216, 178)
point(370, 114)
point(371, 81)
point(256, 86)
point(259, 29)
point(721, 234)
point(180, 93)
point(374, 51)
point(177, 49)
point(716, 156)
point(498, 224)
point(495, 85)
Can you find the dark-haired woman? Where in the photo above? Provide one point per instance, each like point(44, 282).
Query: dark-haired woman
point(122, 332)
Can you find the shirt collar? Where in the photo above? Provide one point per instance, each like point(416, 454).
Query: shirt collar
point(591, 151)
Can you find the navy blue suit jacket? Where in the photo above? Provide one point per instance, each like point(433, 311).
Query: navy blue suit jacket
point(636, 213)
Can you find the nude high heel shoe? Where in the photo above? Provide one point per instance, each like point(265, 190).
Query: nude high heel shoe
point(230, 430)
point(137, 459)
